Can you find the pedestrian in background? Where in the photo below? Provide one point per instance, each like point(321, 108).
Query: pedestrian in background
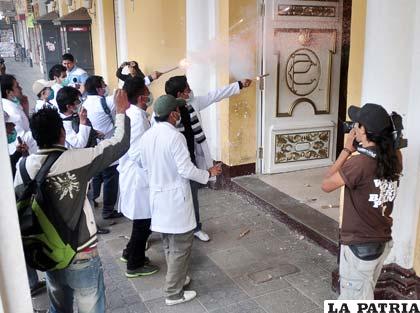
point(58, 73)
point(101, 113)
point(75, 75)
point(42, 89)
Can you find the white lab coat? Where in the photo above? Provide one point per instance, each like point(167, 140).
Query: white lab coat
point(202, 152)
point(75, 140)
point(18, 116)
point(56, 87)
point(165, 157)
point(40, 104)
point(21, 121)
point(199, 103)
point(133, 181)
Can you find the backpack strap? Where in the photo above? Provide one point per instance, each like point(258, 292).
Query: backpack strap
point(45, 168)
point(106, 109)
point(23, 172)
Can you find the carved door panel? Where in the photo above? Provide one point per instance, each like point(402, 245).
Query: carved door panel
point(301, 52)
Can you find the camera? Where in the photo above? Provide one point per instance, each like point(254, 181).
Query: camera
point(347, 126)
point(397, 137)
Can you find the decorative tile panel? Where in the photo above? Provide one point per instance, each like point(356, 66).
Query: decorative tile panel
point(303, 146)
point(306, 10)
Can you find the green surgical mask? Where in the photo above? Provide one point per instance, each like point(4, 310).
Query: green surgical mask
point(12, 137)
point(65, 82)
point(16, 100)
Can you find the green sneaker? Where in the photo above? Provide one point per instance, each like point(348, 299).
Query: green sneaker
point(145, 270)
point(124, 260)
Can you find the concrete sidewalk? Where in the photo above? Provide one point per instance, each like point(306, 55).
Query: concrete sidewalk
point(268, 269)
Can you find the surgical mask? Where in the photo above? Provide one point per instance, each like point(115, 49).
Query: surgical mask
point(65, 82)
point(76, 109)
point(191, 96)
point(51, 95)
point(12, 137)
point(106, 94)
point(178, 121)
point(16, 100)
point(149, 100)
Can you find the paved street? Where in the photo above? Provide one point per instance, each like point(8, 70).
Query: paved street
point(269, 269)
point(252, 264)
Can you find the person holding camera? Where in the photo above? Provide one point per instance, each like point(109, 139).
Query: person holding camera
point(371, 180)
point(134, 71)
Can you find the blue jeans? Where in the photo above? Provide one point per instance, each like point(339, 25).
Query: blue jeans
point(32, 276)
point(82, 280)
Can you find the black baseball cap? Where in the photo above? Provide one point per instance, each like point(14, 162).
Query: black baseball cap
point(372, 116)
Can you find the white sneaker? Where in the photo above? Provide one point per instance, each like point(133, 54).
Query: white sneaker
point(188, 296)
point(202, 235)
point(187, 280)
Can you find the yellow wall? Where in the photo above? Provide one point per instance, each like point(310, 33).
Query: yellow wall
point(238, 114)
point(357, 45)
point(156, 37)
point(417, 251)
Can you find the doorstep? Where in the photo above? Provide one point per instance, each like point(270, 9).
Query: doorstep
point(316, 226)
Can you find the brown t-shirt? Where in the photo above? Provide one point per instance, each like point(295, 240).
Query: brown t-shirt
point(368, 202)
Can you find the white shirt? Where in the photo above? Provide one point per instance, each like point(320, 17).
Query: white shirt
point(97, 116)
point(41, 103)
point(75, 140)
point(77, 76)
point(133, 181)
point(165, 157)
point(202, 152)
point(56, 87)
point(199, 103)
point(18, 116)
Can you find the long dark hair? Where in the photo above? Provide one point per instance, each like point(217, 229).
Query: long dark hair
point(389, 166)
point(138, 70)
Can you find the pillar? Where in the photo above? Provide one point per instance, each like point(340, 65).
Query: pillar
point(201, 32)
point(391, 78)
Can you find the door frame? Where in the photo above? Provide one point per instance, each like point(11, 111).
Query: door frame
point(342, 108)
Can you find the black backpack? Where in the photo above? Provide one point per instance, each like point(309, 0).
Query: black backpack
point(48, 244)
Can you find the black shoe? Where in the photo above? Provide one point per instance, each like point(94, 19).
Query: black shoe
point(40, 286)
point(114, 214)
point(102, 231)
point(124, 259)
point(145, 270)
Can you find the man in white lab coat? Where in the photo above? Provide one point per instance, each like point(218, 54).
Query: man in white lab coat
point(133, 183)
point(68, 101)
point(165, 157)
point(178, 87)
point(101, 113)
